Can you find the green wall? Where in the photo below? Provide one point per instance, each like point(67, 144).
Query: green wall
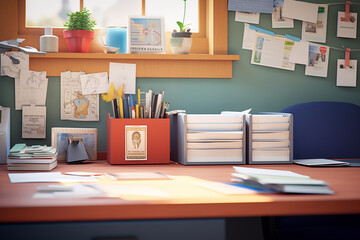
point(257, 87)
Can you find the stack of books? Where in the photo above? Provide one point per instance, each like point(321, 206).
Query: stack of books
point(279, 181)
point(33, 158)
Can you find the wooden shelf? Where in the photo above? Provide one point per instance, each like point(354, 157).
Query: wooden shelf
point(147, 65)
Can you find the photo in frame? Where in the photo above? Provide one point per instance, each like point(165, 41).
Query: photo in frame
point(136, 142)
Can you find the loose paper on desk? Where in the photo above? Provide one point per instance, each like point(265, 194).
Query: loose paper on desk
point(318, 60)
point(300, 53)
point(346, 29)
point(34, 121)
point(78, 191)
point(346, 76)
point(300, 10)
point(123, 73)
point(95, 83)
point(248, 17)
point(31, 88)
point(316, 32)
point(47, 177)
point(278, 20)
point(272, 51)
point(13, 70)
point(74, 105)
point(260, 6)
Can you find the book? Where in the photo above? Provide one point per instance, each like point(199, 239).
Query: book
point(32, 160)
point(31, 166)
point(137, 176)
point(279, 181)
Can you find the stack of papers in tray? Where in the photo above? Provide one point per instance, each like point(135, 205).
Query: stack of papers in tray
point(35, 158)
point(279, 181)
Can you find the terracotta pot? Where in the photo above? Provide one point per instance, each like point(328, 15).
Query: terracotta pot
point(78, 41)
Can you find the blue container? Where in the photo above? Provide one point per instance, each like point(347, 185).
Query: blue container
point(117, 37)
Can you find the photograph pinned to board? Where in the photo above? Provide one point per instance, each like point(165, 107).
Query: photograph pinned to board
point(346, 75)
point(346, 29)
point(278, 20)
point(31, 88)
point(247, 17)
point(272, 51)
point(318, 60)
point(34, 122)
point(74, 105)
point(316, 32)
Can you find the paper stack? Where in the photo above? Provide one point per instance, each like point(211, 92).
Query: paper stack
point(33, 158)
point(279, 181)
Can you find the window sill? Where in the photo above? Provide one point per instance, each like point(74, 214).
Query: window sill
point(147, 65)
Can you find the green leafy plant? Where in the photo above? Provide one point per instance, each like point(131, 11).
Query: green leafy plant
point(80, 21)
point(182, 26)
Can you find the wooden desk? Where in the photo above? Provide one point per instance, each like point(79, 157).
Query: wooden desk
point(17, 205)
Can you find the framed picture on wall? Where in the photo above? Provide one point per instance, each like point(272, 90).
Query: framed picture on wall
point(146, 35)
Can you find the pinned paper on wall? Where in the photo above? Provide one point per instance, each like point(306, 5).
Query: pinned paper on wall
point(300, 10)
point(347, 29)
point(346, 76)
point(318, 60)
point(278, 20)
point(95, 83)
point(316, 32)
point(300, 53)
point(30, 88)
point(13, 70)
point(259, 6)
point(272, 51)
point(34, 122)
point(248, 17)
point(74, 105)
point(249, 37)
point(123, 73)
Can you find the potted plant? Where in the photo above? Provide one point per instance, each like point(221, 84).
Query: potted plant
point(79, 32)
point(181, 41)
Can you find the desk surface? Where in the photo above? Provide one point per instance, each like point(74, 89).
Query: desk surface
point(17, 204)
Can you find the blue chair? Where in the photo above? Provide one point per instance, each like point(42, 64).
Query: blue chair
point(322, 130)
point(326, 130)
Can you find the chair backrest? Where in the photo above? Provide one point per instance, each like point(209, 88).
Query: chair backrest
point(326, 130)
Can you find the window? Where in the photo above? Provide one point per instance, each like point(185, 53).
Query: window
point(43, 13)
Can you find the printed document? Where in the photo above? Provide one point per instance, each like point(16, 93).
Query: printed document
point(34, 122)
point(249, 37)
point(316, 32)
point(318, 60)
point(346, 29)
point(248, 17)
point(346, 76)
point(272, 51)
point(74, 105)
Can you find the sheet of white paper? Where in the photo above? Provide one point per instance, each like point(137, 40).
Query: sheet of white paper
point(120, 73)
point(346, 76)
point(34, 122)
point(248, 17)
point(300, 53)
point(318, 60)
point(316, 32)
point(95, 83)
point(13, 70)
point(245, 112)
point(226, 188)
point(272, 52)
point(47, 177)
point(278, 20)
point(346, 29)
point(249, 37)
point(31, 88)
point(300, 10)
point(74, 105)
point(79, 191)
point(115, 190)
point(272, 172)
